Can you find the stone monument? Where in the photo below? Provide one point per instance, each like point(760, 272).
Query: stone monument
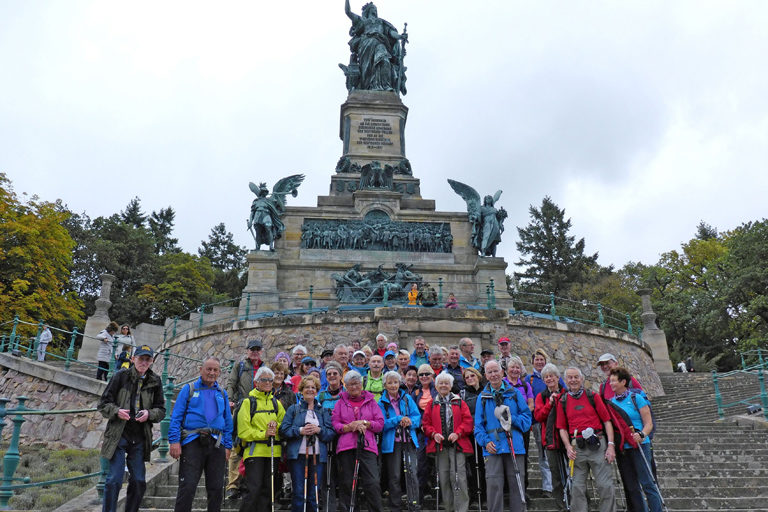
point(653, 336)
point(96, 323)
point(374, 216)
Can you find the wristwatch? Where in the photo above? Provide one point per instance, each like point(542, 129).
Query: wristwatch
point(642, 434)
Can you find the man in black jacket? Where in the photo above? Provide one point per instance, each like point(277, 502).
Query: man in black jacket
point(132, 402)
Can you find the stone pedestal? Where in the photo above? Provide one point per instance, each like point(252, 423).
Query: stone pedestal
point(372, 127)
point(487, 269)
point(262, 283)
point(97, 322)
point(654, 336)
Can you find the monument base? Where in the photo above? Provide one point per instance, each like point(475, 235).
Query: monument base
point(262, 283)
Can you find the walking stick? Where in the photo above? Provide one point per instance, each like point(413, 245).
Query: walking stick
point(520, 487)
point(360, 439)
point(650, 472)
point(306, 473)
point(314, 473)
point(411, 487)
point(568, 487)
point(475, 449)
point(437, 476)
point(272, 469)
point(329, 486)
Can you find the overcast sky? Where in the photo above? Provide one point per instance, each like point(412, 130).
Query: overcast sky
point(639, 118)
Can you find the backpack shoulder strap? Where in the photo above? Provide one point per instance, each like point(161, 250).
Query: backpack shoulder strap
point(190, 390)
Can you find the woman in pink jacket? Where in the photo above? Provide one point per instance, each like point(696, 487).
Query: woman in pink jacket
point(356, 418)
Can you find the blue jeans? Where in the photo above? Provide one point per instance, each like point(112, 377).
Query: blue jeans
point(297, 482)
point(645, 477)
point(133, 454)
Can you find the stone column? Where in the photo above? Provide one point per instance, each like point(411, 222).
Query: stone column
point(262, 283)
point(654, 336)
point(97, 322)
point(487, 268)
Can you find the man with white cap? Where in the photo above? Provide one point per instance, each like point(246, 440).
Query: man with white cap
point(606, 363)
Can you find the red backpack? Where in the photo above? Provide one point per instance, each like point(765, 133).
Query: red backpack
point(622, 426)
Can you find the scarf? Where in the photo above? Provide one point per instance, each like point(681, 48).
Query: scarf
point(446, 413)
point(577, 394)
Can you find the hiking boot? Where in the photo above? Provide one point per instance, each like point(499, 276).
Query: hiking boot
point(233, 495)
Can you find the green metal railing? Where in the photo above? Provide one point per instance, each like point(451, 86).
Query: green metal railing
point(759, 368)
point(315, 300)
point(23, 346)
point(12, 455)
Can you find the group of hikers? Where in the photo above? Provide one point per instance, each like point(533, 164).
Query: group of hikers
point(431, 427)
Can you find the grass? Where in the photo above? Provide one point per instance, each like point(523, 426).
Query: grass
point(40, 464)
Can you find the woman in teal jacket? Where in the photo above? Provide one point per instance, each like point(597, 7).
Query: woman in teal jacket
point(402, 419)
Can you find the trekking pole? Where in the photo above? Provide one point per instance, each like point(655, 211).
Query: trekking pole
point(561, 467)
point(437, 476)
point(328, 484)
point(314, 473)
point(360, 438)
point(569, 483)
point(306, 472)
point(411, 487)
point(650, 472)
point(475, 449)
point(520, 487)
point(272, 469)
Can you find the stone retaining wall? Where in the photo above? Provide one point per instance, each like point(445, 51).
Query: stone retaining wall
point(78, 430)
point(567, 343)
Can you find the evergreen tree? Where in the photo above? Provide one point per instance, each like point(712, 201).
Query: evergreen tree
point(221, 250)
point(227, 260)
point(133, 215)
point(161, 227)
point(553, 259)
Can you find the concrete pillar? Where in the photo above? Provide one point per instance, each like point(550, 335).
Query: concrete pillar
point(654, 336)
point(97, 322)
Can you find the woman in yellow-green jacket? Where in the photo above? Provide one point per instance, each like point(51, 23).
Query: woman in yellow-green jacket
point(258, 422)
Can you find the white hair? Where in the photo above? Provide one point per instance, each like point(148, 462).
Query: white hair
point(581, 375)
point(263, 371)
point(390, 375)
point(550, 369)
point(380, 335)
point(444, 376)
point(297, 348)
point(352, 375)
point(519, 362)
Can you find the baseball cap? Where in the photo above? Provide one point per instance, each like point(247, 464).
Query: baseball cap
point(359, 352)
point(326, 352)
point(606, 357)
point(503, 340)
point(144, 350)
point(388, 353)
point(308, 359)
point(486, 352)
point(254, 344)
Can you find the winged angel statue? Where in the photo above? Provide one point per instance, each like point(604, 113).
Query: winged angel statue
point(264, 223)
point(487, 221)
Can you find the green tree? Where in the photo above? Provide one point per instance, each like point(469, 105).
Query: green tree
point(182, 283)
point(227, 260)
point(35, 260)
point(553, 259)
point(133, 215)
point(161, 227)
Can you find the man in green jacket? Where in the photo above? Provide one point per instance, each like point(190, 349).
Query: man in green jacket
point(239, 385)
point(132, 402)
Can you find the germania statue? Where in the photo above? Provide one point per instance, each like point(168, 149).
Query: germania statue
point(264, 222)
point(376, 62)
point(487, 221)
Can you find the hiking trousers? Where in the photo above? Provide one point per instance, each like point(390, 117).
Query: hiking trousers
point(592, 460)
point(198, 456)
point(497, 467)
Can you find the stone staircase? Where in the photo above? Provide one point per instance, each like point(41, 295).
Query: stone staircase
point(703, 464)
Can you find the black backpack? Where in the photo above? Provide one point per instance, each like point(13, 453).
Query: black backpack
point(236, 443)
point(622, 427)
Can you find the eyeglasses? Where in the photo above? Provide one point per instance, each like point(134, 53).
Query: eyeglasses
point(256, 349)
point(331, 374)
point(265, 380)
point(425, 375)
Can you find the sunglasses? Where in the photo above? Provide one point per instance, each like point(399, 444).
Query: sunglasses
point(265, 380)
point(425, 375)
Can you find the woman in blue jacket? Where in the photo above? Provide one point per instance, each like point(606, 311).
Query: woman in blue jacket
point(307, 428)
point(402, 419)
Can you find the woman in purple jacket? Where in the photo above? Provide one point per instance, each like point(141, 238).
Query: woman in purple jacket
point(356, 418)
